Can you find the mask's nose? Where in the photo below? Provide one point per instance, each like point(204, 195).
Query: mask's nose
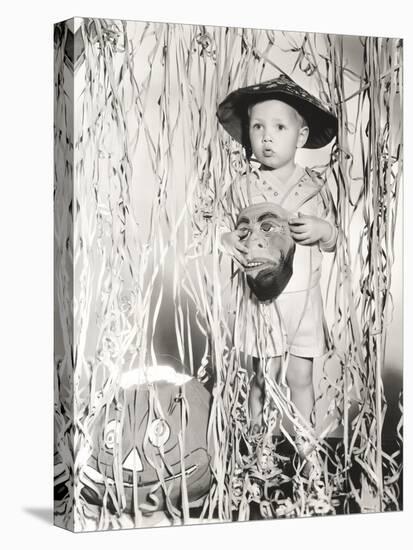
point(257, 240)
point(133, 461)
point(255, 244)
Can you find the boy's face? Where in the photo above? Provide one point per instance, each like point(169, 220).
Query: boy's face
point(275, 131)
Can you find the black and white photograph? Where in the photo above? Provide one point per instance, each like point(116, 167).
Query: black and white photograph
point(227, 274)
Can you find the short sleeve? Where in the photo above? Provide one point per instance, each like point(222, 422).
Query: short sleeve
point(227, 208)
point(210, 224)
point(232, 202)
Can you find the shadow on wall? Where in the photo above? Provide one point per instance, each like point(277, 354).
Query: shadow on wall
point(393, 386)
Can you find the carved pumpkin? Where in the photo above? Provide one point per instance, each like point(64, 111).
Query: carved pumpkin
point(153, 431)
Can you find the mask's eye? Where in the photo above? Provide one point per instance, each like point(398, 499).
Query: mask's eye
point(159, 432)
point(109, 435)
point(269, 227)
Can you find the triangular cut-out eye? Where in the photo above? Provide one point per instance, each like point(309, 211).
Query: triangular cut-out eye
point(159, 432)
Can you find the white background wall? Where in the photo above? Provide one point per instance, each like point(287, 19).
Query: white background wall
point(26, 303)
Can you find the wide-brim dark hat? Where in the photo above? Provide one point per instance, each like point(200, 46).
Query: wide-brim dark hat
point(322, 123)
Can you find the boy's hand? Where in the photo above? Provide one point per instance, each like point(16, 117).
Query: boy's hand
point(234, 246)
point(309, 230)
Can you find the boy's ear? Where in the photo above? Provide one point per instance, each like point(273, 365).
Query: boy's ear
point(302, 136)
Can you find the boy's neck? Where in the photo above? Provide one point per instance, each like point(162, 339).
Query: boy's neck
point(283, 173)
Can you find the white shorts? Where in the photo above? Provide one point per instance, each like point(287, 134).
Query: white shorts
point(303, 322)
point(294, 322)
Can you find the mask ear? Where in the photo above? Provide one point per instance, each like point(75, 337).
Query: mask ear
point(303, 136)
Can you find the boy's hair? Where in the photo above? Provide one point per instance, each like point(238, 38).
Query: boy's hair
point(245, 126)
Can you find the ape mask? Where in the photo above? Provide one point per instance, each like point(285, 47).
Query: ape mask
point(263, 228)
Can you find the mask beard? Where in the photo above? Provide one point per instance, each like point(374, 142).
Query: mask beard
point(270, 282)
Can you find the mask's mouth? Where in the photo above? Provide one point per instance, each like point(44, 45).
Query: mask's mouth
point(269, 280)
point(259, 263)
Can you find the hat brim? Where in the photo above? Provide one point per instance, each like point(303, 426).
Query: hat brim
point(321, 122)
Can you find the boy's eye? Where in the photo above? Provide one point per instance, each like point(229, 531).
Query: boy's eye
point(256, 126)
point(280, 127)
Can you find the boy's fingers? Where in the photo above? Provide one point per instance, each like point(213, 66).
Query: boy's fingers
point(241, 247)
point(301, 237)
point(241, 265)
point(298, 229)
point(243, 250)
point(297, 221)
point(308, 241)
point(240, 259)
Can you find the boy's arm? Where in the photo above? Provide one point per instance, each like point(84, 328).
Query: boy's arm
point(212, 219)
point(225, 222)
point(327, 212)
point(220, 232)
point(228, 209)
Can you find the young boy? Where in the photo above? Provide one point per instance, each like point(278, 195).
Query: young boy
point(272, 120)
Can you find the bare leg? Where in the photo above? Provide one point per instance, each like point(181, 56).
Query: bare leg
point(300, 382)
point(257, 389)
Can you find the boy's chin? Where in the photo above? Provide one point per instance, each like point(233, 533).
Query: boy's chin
point(269, 163)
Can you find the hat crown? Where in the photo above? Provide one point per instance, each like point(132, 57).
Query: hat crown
point(284, 84)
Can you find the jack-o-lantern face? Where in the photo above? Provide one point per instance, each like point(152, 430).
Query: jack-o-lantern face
point(154, 429)
point(264, 230)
